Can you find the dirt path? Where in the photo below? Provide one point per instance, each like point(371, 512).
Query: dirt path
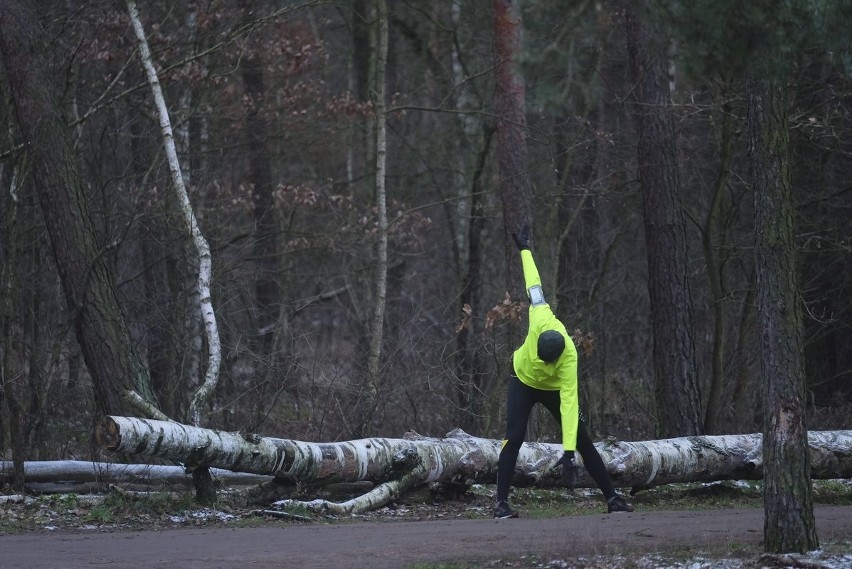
point(385, 545)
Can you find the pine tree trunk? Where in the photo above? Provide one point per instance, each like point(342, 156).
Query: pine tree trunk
point(510, 108)
point(790, 524)
point(711, 234)
point(675, 370)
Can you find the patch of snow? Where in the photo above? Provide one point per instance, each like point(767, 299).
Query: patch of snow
point(17, 499)
point(651, 561)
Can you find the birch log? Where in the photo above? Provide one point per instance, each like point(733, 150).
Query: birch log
point(460, 457)
point(108, 472)
point(79, 476)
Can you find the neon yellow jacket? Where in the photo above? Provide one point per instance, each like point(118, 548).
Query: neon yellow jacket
point(561, 375)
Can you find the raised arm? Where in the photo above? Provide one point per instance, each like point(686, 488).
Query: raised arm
point(532, 280)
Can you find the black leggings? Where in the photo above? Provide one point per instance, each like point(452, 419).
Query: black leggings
point(520, 400)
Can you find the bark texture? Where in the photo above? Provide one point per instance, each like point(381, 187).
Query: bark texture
point(82, 259)
point(510, 107)
point(675, 370)
point(790, 524)
point(377, 323)
point(268, 288)
point(396, 465)
point(80, 476)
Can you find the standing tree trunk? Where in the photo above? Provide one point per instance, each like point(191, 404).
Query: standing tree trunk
point(374, 358)
point(267, 287)
point(510, 108)
point(270, 321)
point(82, 261)
point(789, 522)
point(201, 473)
point(675, 370)
point(11, 364)
point(467, 183)
point(715, 262)
point(205, 305)
point(470, 375)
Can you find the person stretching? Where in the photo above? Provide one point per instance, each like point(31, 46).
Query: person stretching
point(545, 371)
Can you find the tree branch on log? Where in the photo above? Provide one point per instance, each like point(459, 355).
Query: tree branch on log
point(282, 515)
point(382, 494)
point(136, 401)
point(397, 465)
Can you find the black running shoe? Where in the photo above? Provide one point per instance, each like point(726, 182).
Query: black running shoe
point(503, 511)
point(617, 504)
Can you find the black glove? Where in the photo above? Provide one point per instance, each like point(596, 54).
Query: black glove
point(522, 238)
point(569, 469)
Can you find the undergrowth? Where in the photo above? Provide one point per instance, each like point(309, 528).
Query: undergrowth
point(134, 510)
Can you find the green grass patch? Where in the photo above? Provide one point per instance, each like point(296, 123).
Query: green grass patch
point(10, 526)
point(544, 503)
point(835, 492)
point(101, 514)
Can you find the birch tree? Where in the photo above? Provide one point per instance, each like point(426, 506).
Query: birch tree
point(374, 358)
point(79, 476)
point(201, 475)
point(205, 262)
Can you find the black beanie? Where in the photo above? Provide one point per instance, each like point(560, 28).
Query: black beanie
point(550, 346)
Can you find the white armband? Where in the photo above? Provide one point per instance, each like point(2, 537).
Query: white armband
point(536, 295)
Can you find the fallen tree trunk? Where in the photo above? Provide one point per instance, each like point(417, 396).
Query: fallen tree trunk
point(78, 476)
point(460, 457)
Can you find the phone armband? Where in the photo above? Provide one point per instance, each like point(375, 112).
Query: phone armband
point(536, 295)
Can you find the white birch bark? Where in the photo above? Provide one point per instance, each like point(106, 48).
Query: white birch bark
point(469, 123)
point(460, 457)
point(77, 472)
point(377, 328)
point(202, 394)
point(374, 499)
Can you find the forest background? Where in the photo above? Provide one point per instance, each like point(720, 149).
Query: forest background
point(272, 105)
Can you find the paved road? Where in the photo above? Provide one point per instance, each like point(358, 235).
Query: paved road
point(393, 545)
